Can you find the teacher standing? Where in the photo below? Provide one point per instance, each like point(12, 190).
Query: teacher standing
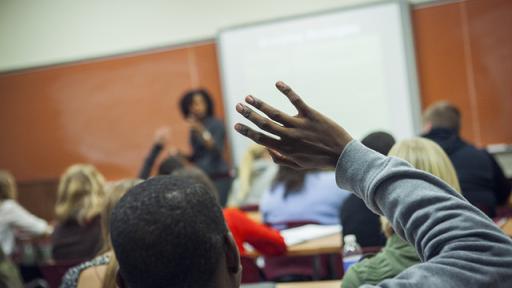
point(207, 139)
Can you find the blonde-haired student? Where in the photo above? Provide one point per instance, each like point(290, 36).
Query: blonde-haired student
point(100, 272)
point(80, 200)
point(398, 254)
point(255, 175)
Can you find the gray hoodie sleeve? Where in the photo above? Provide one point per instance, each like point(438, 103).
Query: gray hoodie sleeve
point(458, 245)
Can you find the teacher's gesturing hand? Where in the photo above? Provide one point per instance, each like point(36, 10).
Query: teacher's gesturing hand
point(306, 140)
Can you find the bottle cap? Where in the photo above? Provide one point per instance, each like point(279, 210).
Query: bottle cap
point(349, 238)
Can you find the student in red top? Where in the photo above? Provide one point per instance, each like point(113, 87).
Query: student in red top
point(264, 239)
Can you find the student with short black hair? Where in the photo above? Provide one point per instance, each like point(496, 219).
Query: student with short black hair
point(170, 232)
point(481, 179)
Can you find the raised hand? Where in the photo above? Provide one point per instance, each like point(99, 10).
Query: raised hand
point(307, 140)
point(162, 135)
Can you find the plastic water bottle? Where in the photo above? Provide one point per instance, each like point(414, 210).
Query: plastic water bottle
point(352, 252)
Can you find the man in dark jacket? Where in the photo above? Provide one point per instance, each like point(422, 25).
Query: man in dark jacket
point(481, 179)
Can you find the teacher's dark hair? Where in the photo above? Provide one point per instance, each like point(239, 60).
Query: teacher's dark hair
point(186, 100)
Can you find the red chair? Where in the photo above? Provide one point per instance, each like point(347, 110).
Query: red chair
point(53, 272)
point(251, 273)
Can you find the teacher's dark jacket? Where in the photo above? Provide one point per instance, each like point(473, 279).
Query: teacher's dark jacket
point(211, 160)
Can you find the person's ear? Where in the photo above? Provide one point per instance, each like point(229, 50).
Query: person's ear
point(119, 280)
point(232, 254)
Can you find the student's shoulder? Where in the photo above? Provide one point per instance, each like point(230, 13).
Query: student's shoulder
point(9, 206)
point(92, 276)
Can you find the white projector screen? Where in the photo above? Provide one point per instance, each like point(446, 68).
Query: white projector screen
point(356, 65)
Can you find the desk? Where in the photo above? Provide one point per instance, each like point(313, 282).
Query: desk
point(314, 284)
point(325, 245)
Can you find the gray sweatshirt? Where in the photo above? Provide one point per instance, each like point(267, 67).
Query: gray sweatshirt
point(458, 245)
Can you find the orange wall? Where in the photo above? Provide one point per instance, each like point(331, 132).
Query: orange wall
point(103, 112)
point(464, 55)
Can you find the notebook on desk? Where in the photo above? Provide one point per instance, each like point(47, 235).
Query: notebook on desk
point(308, 232)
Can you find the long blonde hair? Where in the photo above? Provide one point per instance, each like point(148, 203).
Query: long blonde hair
point(115, 191)
point(7, 186)
point(427, 156)
point(81, 194)
point(245, 172)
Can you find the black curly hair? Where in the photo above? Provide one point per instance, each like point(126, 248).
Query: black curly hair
point(168, 231)
point(187, 98)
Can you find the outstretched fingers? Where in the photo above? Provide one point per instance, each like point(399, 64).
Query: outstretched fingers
point(257, 137)
point(295, 99)
point(260, 121)
point(271, 112)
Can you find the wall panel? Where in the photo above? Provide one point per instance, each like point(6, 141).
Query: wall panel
point(101, 112)
point(464, 55)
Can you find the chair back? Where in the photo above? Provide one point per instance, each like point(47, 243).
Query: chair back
point(251, 273)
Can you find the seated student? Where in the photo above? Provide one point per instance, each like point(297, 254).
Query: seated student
point(13, 216)
point(100, 271)
point(255, 176)
point(302, 196)
point(169, 231)
point(80, 199)
point(458, 245)
point(398, 255)
point(263, 239)
point(355, 217)
point(481, 179)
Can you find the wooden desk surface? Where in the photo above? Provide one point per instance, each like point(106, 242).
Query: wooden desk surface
point(314, 284)
point(325, 245)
